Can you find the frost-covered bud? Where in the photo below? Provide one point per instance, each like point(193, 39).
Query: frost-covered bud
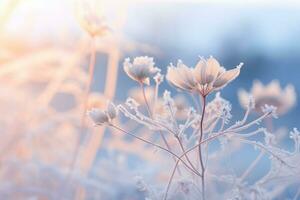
point(272, 110)
point(101, 117)
point(141, 69)
point(98, 116)
point(159, 78)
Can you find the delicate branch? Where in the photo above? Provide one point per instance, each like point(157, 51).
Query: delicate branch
point(265, 149)
point(256, 121)
point(170, 180)
point(150, 115)
point(146, 101)
point(156, 145)
point(252, 166)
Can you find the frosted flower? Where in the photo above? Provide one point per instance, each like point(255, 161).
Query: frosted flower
point(91, 17)
point(141, 69)
point(271, 94)
point(207, 76)
point(101, 117)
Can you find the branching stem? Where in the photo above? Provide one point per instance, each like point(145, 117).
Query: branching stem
point(200, 147)
point(156, 145)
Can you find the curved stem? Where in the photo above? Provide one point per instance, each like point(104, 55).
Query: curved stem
point(265, 149)
point(200, 148)
point(146, 101)
point(268, 122)
point(207, 140)
point(177, 136)
point(170, 180)
point(186, 156)
point(150, 115)
point(156, 145)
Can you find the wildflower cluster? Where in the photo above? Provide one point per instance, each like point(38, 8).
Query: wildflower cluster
point(190, 135)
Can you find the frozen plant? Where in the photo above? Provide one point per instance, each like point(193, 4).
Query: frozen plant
point(201, 143)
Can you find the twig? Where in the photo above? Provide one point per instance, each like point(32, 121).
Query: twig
point(156, 145)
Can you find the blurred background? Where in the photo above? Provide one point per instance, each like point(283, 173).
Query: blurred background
point(44, 57)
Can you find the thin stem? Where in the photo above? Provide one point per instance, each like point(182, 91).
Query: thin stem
point(156, 145)
point(244, 118)
point(229, 130)
point(186, 156)
point(268, 122)
point(265, 149)
point(146, 101)
point(185, 153)
point(200, 148)
point(235, 128)
point(155, 95)
point(195, 101)
point(252, 166)
point(177, 137)
point(170, 180)
point(150, 115)
point(207, 140)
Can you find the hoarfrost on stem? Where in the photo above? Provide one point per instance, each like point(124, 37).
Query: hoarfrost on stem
point(184, 129)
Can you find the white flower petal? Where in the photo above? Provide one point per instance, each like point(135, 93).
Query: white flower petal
point(226, 77)
point(181, 77)
point(199, 71)
point(212, 70)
